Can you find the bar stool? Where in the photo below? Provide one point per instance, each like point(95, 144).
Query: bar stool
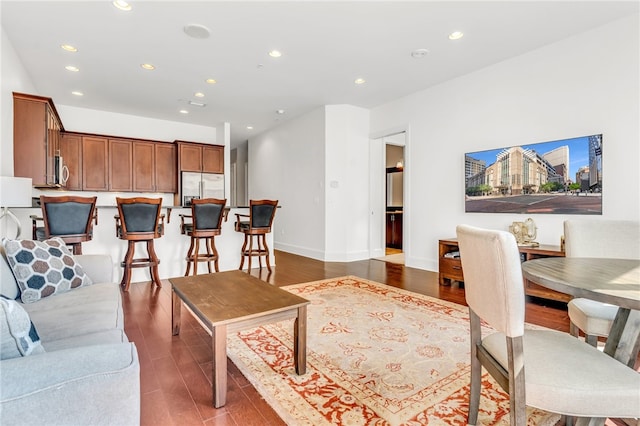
point(139, 220)
point(206, 222)
point(68, 217)
point(261, 214)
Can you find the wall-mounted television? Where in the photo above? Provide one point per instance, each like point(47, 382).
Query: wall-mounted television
point(561, 177)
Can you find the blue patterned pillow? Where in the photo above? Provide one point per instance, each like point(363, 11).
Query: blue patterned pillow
point(18, 335)
point(43, 268)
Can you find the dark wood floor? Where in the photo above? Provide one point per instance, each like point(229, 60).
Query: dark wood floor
point(176, 371)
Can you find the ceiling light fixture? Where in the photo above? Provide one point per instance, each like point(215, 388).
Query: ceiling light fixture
point(199, 95)
point(196, 31)
point(184, 111)
point(456, 35)
point(249, 127)
point(72, 68)
point(280, 111)
point(76, 93)
point(211, 81)
point(275, 53)
point(148, 67)
point(419, 53)
point(198, 104)
point(359, 81)
point(69, 48)
point(122, 5)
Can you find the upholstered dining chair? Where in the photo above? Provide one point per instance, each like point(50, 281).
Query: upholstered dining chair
point(69, 217)
point(261, 214)
point(545, 369)
point(139, 220)
point(206, 223)
point(598, 238)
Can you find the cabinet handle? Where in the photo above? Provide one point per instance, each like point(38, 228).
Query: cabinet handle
point(457, 268)
point(65, 175)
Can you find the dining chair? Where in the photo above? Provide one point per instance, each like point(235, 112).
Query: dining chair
point(604, 239)
point(68, 217)
point(206, 223)
point(541, 368)
point(261, 214)
point(139, 220)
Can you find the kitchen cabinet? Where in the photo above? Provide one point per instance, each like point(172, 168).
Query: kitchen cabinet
point(95, 163)
point(71, 152)
point(394, 229)
point(36, 140)
point(195, 157)
point(120, 165)
point(143, 166)
point(450, 266)
point(165, 167)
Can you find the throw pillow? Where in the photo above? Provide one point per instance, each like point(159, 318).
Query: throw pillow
point(43, 268)
point(17, 333)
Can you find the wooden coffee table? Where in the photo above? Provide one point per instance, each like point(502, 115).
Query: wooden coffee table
point(227, 302)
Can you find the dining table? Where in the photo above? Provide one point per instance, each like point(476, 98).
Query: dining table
point(613, 281)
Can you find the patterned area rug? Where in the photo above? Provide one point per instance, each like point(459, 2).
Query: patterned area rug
point(377, 355)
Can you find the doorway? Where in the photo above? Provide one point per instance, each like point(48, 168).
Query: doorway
point(388, 194)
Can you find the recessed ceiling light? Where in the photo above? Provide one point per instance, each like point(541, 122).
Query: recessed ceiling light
point(456, 35)
point(184, 111)
point(72, 68)
point(211, 81)
point(148, 67)
point(275, 53)
point(280, 111)
point(419, 53)
point(122, 5)
point(76, 93)
point(359, 81)
point(249, 127)
point(199, 95)
point(198, 104)
point(69, 48)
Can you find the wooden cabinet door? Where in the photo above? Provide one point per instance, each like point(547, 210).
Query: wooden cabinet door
point(71, 152)
point(120, 165)
point(95, 164)
point(213, 159)
point(144, 166)
point(29, 140)
point(165, 167)
point(190, 158)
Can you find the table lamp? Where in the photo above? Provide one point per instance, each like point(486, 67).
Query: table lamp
point(14, 192)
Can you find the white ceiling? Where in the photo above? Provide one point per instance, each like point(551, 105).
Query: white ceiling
point(326, 45)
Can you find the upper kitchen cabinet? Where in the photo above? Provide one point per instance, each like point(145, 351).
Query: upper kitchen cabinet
point(95, 163)
point(120, 165)
point(195, 157)
point(36, 140)
point(154, 167)
point(71, 152)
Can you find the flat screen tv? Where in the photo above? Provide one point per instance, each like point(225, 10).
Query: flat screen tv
point(561, 177)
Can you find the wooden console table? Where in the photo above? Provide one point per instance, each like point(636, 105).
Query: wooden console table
point(450, 268)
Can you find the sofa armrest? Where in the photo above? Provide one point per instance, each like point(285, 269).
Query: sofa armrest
point(87, 385)
point(99, 267)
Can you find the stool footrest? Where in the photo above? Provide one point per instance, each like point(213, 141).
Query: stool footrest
point(141, 263)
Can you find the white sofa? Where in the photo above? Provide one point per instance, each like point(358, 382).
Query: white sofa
point(89, 372)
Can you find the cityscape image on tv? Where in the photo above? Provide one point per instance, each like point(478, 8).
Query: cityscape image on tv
point(562, 177)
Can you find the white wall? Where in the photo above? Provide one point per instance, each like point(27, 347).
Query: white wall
point(287, 163)
point(347, 183)
point(580, 86)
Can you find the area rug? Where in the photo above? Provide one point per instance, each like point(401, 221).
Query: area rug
point(397, 258)
point(376, 355)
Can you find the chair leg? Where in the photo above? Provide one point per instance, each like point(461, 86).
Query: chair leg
point(214, 250)
point(266, 250)
point(128, 259)
point(153, 259)
point(244, 246)
point(259, 251)
point(77, 248)
point(476, 369)
point(195, 257)
point(189, 258)
point(250, 251)
point(591, 339)
point(207, 244)
point(573, 329)
point(517, 403)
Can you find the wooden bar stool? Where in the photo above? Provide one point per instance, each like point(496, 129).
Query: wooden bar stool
point(68, 217)
point(139, 220)
point(206, 222)
point(261, 214)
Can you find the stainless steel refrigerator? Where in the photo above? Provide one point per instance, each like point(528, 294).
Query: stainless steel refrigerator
point(201, 185)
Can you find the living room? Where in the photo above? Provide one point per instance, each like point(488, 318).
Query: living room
point(586, 83)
